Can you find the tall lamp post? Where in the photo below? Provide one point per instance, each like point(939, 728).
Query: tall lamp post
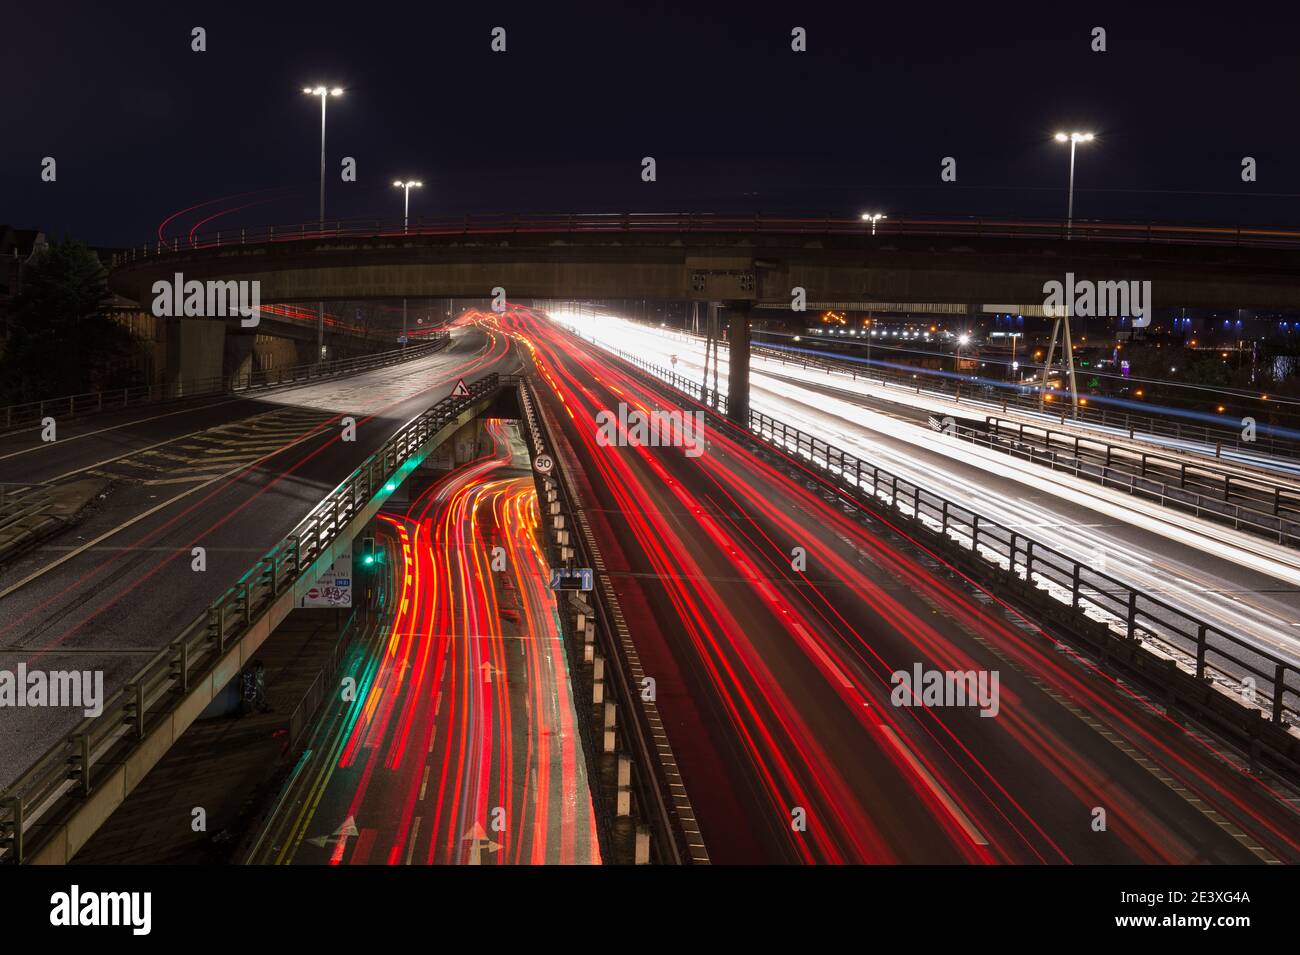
point(1073, 139)
point(324, 93)
point(406, 188)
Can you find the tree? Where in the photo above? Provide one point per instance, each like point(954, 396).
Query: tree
point(60, 340)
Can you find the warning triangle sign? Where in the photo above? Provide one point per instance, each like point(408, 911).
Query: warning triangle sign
point(460, 391)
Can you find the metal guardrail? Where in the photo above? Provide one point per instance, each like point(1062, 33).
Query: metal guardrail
point(624, 222)
point(1136, 425)
point(1208, 652)
point(68, 406)
point(644, 784)
point(65, 775)
point(1248, 504)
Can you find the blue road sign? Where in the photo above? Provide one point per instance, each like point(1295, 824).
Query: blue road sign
point(571, 578)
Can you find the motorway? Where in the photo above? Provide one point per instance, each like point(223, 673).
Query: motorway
point(460, 744)
point(775, 680)
point(231, 475)
point(1235, 580)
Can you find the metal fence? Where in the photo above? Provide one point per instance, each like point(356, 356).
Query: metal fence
point(68, 406)
point(67, 773)
point(1208, 651)
point(1247, 502)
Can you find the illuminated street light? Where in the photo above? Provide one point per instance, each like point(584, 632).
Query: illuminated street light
point(873, 218)
point(406, 188)
point(324, 95)
point(962, 341)
point(406, 205)
point(1073, 139)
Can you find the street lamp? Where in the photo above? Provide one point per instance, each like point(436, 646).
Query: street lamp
point(324, 93)
point(406, 218)
point(1073, 139)
point(962, 341)
point(873, 218)
point(406, 208)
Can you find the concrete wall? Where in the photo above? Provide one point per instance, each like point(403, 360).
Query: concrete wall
point(196, 351)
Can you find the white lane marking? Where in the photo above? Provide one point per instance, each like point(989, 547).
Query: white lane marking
point(153, 510)
point(949, 803)
point(125, 424)
point(821, 654)
point(410, 845)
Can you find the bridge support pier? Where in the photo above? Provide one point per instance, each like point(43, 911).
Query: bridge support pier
point(195, 355)
point(738, 363)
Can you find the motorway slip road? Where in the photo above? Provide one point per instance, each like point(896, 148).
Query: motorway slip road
point(460, 745)
point(230, 476)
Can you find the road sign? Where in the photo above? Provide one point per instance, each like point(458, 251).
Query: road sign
point(571, 578)
point(333, 586)
point(543, 463)
point(460, 391)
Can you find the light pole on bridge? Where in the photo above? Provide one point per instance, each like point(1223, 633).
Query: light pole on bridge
point(324, 93)
point(1073, 139)
point(406, 188)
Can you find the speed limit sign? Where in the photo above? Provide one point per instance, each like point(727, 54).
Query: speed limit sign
point(543, 463)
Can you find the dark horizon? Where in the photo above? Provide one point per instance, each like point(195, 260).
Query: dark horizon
point(142, 127)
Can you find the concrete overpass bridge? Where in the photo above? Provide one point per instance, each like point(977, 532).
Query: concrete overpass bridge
point(742, 261)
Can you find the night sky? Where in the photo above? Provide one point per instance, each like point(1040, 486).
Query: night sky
point(141, 126)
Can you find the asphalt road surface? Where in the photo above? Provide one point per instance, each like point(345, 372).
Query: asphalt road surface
point(460, 745)
point(779, 681)
point(231, 476)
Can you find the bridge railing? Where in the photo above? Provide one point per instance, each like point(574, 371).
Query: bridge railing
point(625, 222)
point(69, 772)
point(1267, 684)
point(71, 406)
point(1248, 503)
